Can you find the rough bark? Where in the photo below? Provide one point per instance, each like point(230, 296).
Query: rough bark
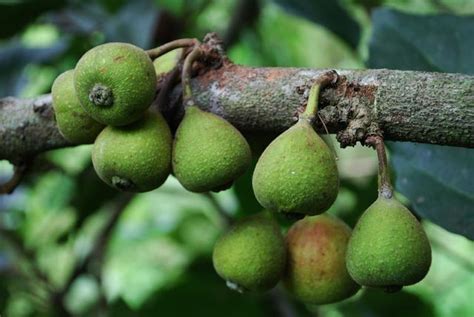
point(27, 127)
point(402, 105)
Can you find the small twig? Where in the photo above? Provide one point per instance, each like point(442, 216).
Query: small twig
point(385, 186)
point(186, 75)
point(18, 173)
point(168, 47)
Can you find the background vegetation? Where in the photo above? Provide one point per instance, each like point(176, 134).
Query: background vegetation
point(157, 257)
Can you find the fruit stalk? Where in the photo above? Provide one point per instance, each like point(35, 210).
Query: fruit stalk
point(312, 107)
point(384, 183)
point(186, 75)
point(324, 80)
point(168, 47)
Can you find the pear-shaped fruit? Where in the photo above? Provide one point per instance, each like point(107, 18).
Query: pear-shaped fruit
point(316, 267)
point(73, 122)
point(251, 255)
point(296, 173)
point(167, 62)
point(208, 153)
point(136, 157)
point(388, 247)
point(115, 82)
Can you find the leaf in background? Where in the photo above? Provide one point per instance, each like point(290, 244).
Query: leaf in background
point(47, 214)
point(15, 15)
point(330, 14)
point(158, 236)
point(438, 180)
point(201, 292)
point(132, 23)
point(413, 42)
point(449, 283)
point(14, 57)
point(353, 199)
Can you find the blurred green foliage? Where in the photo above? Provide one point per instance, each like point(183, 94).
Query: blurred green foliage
point(158, 258)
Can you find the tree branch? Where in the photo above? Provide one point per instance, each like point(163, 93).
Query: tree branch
point(27, 127)
point(402, 105)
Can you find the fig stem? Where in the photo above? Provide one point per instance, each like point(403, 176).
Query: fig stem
point(384, 184)
point(156, 52)
point(313, 100)
point(186, 75)
point(322, 81)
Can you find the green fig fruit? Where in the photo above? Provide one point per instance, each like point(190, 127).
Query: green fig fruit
point(135, 158)
point(115, 83)
point(167, 62)
point(73, 122)
point(208, 152)
point(388, 248)
point(251, 255)
point(316, 267)
point(296, 173)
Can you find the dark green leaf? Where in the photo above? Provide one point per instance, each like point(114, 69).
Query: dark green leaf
point(432, 43)
point(330, 14)
point(437, 179)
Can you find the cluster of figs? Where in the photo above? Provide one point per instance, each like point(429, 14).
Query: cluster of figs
point(106, 101)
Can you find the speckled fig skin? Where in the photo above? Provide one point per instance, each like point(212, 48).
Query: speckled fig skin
point(388, 248)
point(208, 152)
point(316, 269)
point(251, 255)
point(73, 122)
point(115, 83)
point(135, 158)
point(296, 173)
